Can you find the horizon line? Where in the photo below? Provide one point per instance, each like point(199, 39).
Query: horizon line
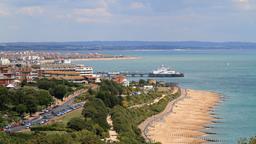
point(147, 41)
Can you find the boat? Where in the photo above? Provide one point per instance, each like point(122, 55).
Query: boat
point(165, 72)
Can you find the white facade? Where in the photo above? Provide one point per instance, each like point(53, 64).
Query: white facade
point(4, 61)
point(84, 70)
point(148, 87)
point(67, 61)
point(126, 83)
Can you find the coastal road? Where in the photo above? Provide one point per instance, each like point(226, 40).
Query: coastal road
point(52, 113)
point(168, 109)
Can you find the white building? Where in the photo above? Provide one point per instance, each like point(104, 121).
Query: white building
point(126, 83)
point(4, 61)
point(148, 87)
point(84, 70)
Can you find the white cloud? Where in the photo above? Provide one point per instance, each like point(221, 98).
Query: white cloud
point(92, 12)
point(90, 15)
point(31, 11)
point(100, 13)
point(245, 4)
point(3, 12)
point(105, 3)
point(86, 20)
point(244, 1)
point(137, 5)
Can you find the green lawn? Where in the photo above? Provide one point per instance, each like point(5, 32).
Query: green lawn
point(65, 118)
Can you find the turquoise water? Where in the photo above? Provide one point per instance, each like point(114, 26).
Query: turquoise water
point(232, 73)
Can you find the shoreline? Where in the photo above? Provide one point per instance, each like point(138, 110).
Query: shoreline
point(144, 126)
point(106, 59)
point(182, 121)
point(94, 59)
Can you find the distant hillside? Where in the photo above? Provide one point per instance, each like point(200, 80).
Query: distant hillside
point(123, 45)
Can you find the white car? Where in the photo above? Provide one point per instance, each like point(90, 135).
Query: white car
point(28, 125)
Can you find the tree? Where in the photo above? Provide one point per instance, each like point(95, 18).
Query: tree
point(96, 110)
point(87, 137)
point(108, 99)
point(91, 91)
point(251, 140)
point(55, 138)
point(125, 104)
point(3, 97)
point(21, 109)
point(142, 82)
point(44, 97)
point(32, 98)
point(109, 92)
point(77, 124)
point(59, 91)
point(45, 84)
point(24, 82)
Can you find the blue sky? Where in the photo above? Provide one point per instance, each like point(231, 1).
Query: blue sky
point(147, 20)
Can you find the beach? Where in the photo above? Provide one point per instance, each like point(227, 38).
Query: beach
point(188, 116)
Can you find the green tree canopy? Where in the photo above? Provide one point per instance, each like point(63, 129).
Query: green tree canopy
point(96, 110)
point(77, 124)
point(59, 91)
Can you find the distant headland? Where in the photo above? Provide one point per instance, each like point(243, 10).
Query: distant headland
point(123, 45)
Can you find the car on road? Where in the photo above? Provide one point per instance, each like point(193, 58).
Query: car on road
point(28, 125)
point(43, 121)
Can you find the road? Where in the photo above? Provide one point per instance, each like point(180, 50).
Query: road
point(66, 107)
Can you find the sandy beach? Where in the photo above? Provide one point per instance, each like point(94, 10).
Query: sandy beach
point(188, 118)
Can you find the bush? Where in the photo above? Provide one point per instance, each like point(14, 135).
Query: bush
point(86, 137)
point(251, 140)
point(109, 92)
point(24, 100)
point(96, 110)
point(77, 124)
point(52, 127)
point(59, 91)
point(125, 126)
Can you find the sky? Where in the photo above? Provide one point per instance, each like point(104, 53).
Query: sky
point(129, 20)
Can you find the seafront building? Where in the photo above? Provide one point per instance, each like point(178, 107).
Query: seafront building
point(30, 72)
point(4, 61)
point(29, 66)
point(4, 80)
point(120, 79)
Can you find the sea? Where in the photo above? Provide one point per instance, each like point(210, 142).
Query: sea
point(229, 72)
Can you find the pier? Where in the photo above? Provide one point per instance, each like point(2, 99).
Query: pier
point(137, 74)
point(127, 74)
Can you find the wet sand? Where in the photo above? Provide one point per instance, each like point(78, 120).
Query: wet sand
point(188, 118)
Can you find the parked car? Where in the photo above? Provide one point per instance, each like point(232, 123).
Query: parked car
point(28, 125)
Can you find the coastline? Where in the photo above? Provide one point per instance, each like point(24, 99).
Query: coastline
point(106, 59)
point(183, 119)
point(95, 59)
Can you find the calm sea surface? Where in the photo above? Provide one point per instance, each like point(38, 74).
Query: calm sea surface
point(232, 73)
